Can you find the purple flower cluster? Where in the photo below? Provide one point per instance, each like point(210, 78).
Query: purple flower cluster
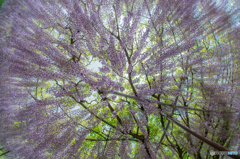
point(164, 64)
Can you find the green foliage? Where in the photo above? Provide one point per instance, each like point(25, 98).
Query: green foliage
point(2, 2)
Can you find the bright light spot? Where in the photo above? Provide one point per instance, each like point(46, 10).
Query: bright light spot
point(95, 66)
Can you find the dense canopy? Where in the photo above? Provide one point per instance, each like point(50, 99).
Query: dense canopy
point(165, 82)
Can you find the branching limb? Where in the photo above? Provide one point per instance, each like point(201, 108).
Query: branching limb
point(165, 131)
point(199, 136)
point(140, 137)
point(167, 104)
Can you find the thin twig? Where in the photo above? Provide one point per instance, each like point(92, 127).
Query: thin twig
point(111, 139)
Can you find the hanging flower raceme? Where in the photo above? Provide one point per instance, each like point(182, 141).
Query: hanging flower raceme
point(167, 83)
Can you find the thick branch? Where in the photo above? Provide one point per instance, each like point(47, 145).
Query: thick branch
point(199, 136)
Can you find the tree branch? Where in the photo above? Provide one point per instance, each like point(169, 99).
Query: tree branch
point(111, 139)
point(140, 137)
point(166, 104)
point(4, 153)
point(204, 139)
